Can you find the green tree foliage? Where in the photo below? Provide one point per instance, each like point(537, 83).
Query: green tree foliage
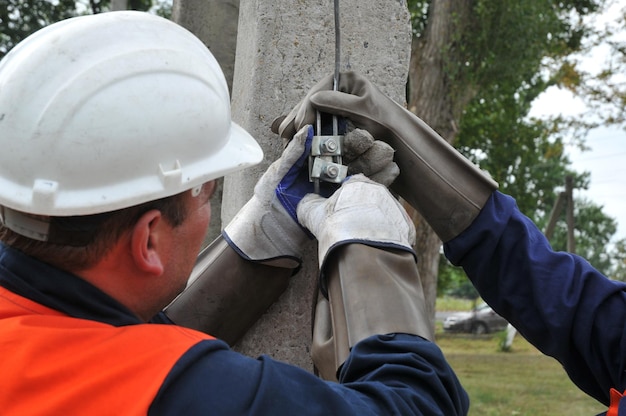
point(521, 155)
point(503, 47)
point(618, 270)
point(20, 18)
point(527, 158)
point(604, 87)
point(503, 55)
point(452, 281)
point(592, 234)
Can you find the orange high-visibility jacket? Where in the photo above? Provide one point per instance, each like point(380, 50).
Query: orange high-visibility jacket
point(67, 348)
point(71, 364)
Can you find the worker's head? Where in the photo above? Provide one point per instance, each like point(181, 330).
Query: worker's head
point(104, 118)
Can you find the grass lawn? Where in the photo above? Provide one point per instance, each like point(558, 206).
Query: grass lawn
point(522, 382)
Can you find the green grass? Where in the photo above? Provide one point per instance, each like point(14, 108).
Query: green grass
point(522, 382)
point(447, 303)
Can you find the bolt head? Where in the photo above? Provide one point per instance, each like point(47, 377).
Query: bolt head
point(330, 145)
point(331, 171)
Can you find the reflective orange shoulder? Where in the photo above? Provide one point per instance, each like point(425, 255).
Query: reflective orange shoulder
point(616, 397)
point(56, 364)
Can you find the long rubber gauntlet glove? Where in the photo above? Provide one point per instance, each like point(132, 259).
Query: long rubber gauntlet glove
point(370, 291)
point(233, 286)
point(367, 269)
point(246, 269)
point(227, 293)
point(446, 188)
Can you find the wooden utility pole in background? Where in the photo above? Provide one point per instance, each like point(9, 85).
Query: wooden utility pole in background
point(569, 198)
point(565, 198)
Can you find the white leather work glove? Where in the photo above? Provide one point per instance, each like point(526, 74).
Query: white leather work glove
point(369, 288)
point(266, 229)
point(360, 211)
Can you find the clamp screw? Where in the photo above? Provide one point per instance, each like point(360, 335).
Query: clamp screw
point(330, 146)
point(331, 171)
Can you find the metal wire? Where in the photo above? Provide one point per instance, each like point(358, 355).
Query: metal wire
point(337, 59)
point(337, 46)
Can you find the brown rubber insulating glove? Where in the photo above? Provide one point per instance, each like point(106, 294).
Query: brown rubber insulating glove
point(446, 188)
point(371, 291)
point(228, 294)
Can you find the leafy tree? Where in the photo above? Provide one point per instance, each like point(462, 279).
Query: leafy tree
point(20, 18)
point(450, 277)
point(618, 258)
point(522, 156)
point(604, 90)
point(476, 68)
point(593, 232)
point(453, 282)
point(163, 8)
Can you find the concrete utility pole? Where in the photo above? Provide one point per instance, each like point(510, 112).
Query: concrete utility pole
point(283, 49)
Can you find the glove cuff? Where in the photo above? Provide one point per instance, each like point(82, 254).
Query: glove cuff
point(377, 221)
point(272, 238)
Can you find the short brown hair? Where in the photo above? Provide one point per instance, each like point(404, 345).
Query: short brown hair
point(102, 232)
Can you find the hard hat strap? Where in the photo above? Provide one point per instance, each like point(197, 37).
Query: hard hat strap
point(72, 231)
point(31, 226)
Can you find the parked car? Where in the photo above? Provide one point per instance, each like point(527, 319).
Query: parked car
point(480, 320)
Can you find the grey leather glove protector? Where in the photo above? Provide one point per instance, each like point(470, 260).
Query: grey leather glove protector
point(227, 294)
point(447, 189)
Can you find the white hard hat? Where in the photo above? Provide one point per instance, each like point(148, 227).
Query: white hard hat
point(108, 111)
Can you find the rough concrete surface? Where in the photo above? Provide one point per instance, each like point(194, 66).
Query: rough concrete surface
point(284, 47)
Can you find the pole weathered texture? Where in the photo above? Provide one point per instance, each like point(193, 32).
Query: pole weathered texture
point(283, 49)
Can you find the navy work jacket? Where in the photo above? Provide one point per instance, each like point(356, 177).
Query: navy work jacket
point(556, 300)
point(394, 374)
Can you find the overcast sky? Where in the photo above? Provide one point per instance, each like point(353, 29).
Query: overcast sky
point(606, 159)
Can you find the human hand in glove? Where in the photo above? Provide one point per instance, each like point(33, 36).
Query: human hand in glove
point(266, 229)
point(371, 285)
point(439, 182)
point(360, 211)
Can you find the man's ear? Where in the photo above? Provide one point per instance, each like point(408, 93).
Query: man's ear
point(145, 242)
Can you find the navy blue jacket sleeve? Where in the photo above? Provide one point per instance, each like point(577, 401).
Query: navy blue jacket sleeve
point(556, 300)
point(384, 375)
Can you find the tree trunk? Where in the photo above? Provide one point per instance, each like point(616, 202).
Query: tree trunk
point(215, 22)
point(436, 99)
